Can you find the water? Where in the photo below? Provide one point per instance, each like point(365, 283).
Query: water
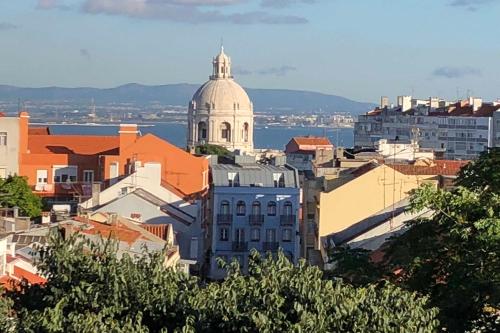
point(274, 137)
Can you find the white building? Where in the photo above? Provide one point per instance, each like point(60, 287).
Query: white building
point(220, 112)
point(461, 131)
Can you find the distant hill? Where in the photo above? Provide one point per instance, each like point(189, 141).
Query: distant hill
point(180, 94)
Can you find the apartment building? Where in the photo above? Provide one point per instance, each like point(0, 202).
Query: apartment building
point(253, 206)
point(460, 131)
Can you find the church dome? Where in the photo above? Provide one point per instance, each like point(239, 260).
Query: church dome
point(222, 95)
point(220, 112)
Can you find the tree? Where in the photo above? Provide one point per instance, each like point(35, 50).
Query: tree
point(353, 265)
point(454, 255)
point(482, 174)
point(94, 290)
point(207, 149)
point(15, 192)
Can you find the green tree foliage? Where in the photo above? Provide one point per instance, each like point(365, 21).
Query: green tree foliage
point(15, 191)
point(353, 265)
point(454, 256)
point(94, 291)
point(482, 174)
point(207, 149)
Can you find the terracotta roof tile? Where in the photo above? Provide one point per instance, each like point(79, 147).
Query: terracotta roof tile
point(72, 144)
point(440, 167)
point(30, 277)
point(39, 130)
point(312, 140)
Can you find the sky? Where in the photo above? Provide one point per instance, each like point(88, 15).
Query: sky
point(359, 49)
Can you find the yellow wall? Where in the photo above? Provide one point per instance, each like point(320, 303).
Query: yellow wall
point(363, 197)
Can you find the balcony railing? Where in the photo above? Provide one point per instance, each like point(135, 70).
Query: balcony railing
point(287, 219)
point(240, 246)
point(270, 246)
point(224, 218)
point(256, 219)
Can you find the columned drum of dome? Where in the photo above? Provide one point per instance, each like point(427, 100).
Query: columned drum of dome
point(220, 112)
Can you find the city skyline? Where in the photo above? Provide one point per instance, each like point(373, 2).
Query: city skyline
point(359, 50)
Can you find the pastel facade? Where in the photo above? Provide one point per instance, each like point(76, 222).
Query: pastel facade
point(220, 112)
point(67, 165)
point(253, 207)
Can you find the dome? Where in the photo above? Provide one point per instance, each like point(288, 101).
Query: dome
point(220, 112)
point(222, 95)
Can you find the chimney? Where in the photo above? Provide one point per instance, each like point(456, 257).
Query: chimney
point(128, 135)
point(23, 131)
point(96, 191)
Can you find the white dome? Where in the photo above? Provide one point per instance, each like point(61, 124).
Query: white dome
point(220, 112)
point(222, 95)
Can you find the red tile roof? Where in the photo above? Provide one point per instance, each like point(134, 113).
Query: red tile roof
point(312, 141)
point(439, 167)
point(38, 131)
point(117, 231)
point(73, 144)
point(30, 277)
point(180, 169)
point(159, 230)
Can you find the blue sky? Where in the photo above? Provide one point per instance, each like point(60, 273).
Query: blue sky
point(359, 49)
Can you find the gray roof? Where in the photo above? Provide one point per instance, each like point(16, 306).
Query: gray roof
point(262, 175)
point(363, 226)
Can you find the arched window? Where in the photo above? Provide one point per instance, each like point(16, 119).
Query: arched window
point(256, 208)
point(202, 130)
point(225, 132)
point(245, 132)
point(240, 208)
point(224, 207)
point(271, 208)
point(287, 208)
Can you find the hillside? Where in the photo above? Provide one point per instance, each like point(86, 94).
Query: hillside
point(180, 94)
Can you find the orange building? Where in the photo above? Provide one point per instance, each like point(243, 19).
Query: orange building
point(68, 165)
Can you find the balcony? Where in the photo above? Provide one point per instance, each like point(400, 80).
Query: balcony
point(256, 219)
point(240, 246)
point(270, 246)
point(224, 219)
point(288, 220)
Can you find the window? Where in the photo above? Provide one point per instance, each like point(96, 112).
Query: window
point(3, 173)
point(41, 176)
point(271, 208)
point(225, 129)
point(287, 235)
point(255, 235)
point(279, 180)
point(63, 174)
point(245, 132)
point(202, 131)
point(88, 176)
point(224, 207)
point(3, 138)
point(240, 208)
point(223, 234)
point(239, 235)
point(233, 179)
point(270, 235)
point(287, 208)
point(256, 208)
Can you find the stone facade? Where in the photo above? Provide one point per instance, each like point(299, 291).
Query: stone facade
point(220, 112)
